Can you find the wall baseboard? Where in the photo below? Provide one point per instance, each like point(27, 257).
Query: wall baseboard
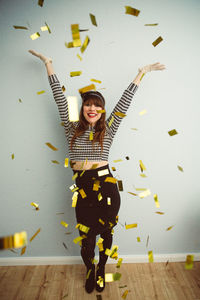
point(71, 260)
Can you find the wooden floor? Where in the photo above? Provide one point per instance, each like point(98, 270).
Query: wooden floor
point(146, 281)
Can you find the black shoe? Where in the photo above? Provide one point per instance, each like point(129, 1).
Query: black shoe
point(90, 281)
point(100, 273)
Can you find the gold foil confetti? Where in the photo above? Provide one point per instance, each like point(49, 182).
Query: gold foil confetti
point(101, 221)
point(69, 45)
point(143, 175)
point(75, 35)
point(120, 114)
point(75, 176)
point(87, 88)
point(63, 223)
point(91, 136)
point(48, 27)
point(82, 173)
point(103, 172)
point(63, 89)
point(113, 168)
point(157, 41)
point(100, 281)
point(108, 200)
point(142, 112)
point(40, 2)
point(66, 162)
point(189, 262)
point(79, 57)
point(159, 212)
point(35, 205)
point(129, 226)
point(138, 239)
point(119, 262)
point(17, 240)
point(85, 44)
point(23, 250)
point(110, 179)
point(44, 28)
point(94, 166)
point(120, 185)
point(55, 162)
point(147, 241)
point(117, 160)
point(20, 27)
point(35, 234)
point(108, 252)
point(35, 35)
point(142, 166)
point(156, 200)
point(169, 228)
point(75, 73)
point(96, 185)
point(122, 286)
point(20, 100)
point(145, 193)
point(111, 120)
point(125, 294)
point(40, 92)
point(141, 189)
point(13, 156)
point(83, 194)
point(83, 228)
point(79, 238)
point(51, 146)
point(88, 273)
point(172, 132)
point(132, 11)
point(100, 244)
point(180, 168)
point(155, 24)
point(95, 80)
point(93, 19)
point(74, 199)
point(65, 246)
point(100, 197)
point(132, 193)
point(150, 255)
point(134, 128)
point(72, 187)
point(62, 124)
point(142, 76)
point(73, 111)
point(110, 277)
point(101, 111)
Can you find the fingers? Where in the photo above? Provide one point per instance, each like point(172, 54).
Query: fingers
point(34, 53)
point(158, 66)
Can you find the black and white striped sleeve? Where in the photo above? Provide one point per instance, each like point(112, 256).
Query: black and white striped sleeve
point(60, 99)
point(122, 106)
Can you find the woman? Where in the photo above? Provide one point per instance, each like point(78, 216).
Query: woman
point(89, 143)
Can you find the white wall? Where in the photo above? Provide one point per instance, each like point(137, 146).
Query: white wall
point(118, 46)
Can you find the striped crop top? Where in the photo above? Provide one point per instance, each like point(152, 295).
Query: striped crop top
point(82, 148)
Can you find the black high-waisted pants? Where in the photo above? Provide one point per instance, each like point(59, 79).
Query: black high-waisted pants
point(91, 209)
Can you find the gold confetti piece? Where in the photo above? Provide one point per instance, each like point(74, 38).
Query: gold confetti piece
point(83, 228)
point(72, 187)
point(155, 24)
point(23, 250)
point(75, 176)
point(83, 194)
point(123, 286)
point(75, 35)
point(145, 193)
point(35, 234)
point(143, 175)
point(129, 226)
point(66, 162)
point(79, 238)
point(17, 240)
point(62, 123)
point(20, 27)
point(44, 28)
point(132, 11)
point(88, 273)
point(101, 111)
point(172, 132)
point(48, 27)
point(91, 136)
point(85, 44)
point(111, 120)
point(74, 199)
point(113, 168)
point(100, 197)
point(41, 92)
point(169, 228)
point(101, 221)
point(132, 193)
point(94, 166)
point(20, 100)
point(142, 76)
point(108, 252)
point(94, 261)
point(180, 168)
point(159, 212)
point(117, 160)
point(35, 36)
point(109, 277)
point(127, 157)
point(12, 156)
point(64, 224)
point(95, 80)
point(82, 173)
point(150, 255)
point(93, 19)
point(96, 185)
point(55, 162)
point(59, 213)
point(51, 146)
point(35, 205)
point(147, 241)
point(156, 200)
point(138, 239)
point(140, 189)
point(73, 111)
point(79, 57)
point(87, 88)
point(125, 294)
point(142, 166)
point(40, 2)
point(142, 112)
point(108, 200)
point(65, 246)
point(100, 281)
point(189, 262)
point(120, 114)
point(69, 45)
point(120, 185)
point(119, 262)
point(110, 179)
point(75, 73)
point(103, 172)
point(157, 41)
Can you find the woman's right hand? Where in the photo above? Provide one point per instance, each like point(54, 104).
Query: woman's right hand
point(42, 57)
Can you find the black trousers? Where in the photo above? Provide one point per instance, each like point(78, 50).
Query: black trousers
point(97, 210)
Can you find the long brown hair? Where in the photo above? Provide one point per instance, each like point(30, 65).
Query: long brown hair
point(100, 126)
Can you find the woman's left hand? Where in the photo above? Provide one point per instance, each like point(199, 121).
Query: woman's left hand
point(154, 67)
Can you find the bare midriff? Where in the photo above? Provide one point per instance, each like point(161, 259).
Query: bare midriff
point(78, 165)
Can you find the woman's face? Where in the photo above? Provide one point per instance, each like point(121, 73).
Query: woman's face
point(90, 113)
